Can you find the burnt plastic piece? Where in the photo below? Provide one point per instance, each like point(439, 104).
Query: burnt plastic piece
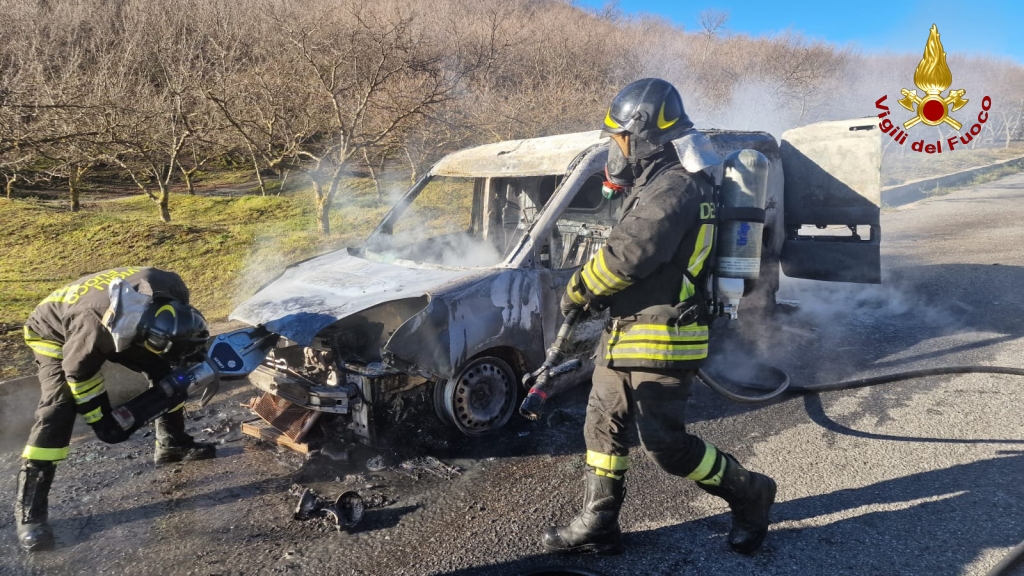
point(344, 513)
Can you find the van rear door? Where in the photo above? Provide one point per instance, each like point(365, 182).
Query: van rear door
point(832, 173)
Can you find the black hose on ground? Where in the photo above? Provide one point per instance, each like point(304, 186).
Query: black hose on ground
point(1014, 559)
point(714, 385)
point(847, 384)
point(1016, 556)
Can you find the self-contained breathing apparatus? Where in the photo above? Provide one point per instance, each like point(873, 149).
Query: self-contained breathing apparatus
point(738, 212)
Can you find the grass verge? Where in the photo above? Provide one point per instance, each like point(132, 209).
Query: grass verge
point(224, 248)
point(904, 166)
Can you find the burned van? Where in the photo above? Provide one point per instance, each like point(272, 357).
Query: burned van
point(456, 292)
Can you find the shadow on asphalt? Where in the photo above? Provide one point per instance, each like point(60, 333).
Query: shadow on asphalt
point(381, 518)
point(958, 512)
point(77, 528)
point(816, 411)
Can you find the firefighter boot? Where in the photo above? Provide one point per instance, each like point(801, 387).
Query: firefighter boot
point(30, 509)
point(596, 528)
point(174, 445)
point(750, 495)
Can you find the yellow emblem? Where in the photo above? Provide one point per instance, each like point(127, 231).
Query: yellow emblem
point(933, 77)
point(609, 121)
point(662, 123)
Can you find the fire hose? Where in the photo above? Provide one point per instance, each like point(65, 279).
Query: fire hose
point(539, 383)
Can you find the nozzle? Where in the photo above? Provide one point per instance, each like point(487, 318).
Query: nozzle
point(533, 405)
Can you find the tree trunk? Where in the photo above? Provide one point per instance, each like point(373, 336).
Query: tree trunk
point(412, 167)
point(10, 185)
point(256, 167)
point(284, 180)
point(323, 208)
point(74, 179)
point(186, 175)
point(163, 201)
point(373, 176)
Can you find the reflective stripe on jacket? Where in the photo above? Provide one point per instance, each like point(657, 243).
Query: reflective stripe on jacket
point(649, 270)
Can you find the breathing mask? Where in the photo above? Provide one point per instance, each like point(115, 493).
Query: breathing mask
point(623, 166)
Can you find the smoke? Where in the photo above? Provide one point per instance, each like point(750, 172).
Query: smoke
point(455, 251)
point(755, 105)
point(838, 331)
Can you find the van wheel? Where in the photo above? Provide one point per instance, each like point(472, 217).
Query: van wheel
point(480, 399)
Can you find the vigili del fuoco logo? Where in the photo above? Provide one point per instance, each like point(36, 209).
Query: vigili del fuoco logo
point(933, 77)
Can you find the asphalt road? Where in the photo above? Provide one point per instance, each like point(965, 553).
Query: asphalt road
point(919, 477)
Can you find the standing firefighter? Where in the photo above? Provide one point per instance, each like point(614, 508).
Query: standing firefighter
point(136, 317)
point(650, 275)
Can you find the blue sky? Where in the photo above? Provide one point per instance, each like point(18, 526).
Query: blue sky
point(992, 27)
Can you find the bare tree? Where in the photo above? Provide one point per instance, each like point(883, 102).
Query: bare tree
point(367, 75)
point(335, 89)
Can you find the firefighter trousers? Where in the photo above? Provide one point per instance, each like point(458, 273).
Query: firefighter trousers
point(656, 401)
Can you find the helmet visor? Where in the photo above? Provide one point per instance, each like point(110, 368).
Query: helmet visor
point(622, 140)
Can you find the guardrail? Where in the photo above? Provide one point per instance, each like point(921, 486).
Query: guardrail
point(920, 189)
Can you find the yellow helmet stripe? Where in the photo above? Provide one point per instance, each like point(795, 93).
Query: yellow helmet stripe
point(168, 308)
point(662, 123)
point(609, 122)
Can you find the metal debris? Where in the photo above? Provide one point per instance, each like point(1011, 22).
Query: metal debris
point(377, 501)
point(432, 466)
point(345, 512)
point(376, 464)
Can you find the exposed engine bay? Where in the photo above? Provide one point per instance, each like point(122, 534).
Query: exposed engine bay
point(341, 372)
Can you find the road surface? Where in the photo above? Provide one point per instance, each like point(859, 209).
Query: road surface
point(920, 477)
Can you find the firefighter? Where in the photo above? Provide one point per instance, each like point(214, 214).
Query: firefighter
point(650, 275)
point(137, 317)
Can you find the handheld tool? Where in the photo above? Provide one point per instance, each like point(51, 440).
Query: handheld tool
point(538, 381)
point(231, 356)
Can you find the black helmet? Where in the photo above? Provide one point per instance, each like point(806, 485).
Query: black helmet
point(173, 330)
point(643, 117)
point(650, 109)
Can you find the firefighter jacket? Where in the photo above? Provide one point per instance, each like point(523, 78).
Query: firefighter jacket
point(67, 325)
point(649, 271)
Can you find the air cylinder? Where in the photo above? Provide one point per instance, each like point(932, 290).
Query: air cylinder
point(741, 216)
point(744, 186)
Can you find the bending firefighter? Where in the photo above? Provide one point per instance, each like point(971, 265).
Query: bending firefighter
point(650, 275)
point(136, 317)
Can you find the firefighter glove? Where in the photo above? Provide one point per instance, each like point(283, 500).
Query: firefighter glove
point(575, 296)
point(108, 430)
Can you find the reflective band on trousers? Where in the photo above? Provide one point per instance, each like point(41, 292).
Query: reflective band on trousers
point(88, 389)
point(45, 454)
point(707, 463)
point(659, 342)
point(607, 461)
point(42, 346)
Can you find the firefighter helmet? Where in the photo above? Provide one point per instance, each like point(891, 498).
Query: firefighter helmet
point(643, 117)
point(173, 330)
point(651, 109)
